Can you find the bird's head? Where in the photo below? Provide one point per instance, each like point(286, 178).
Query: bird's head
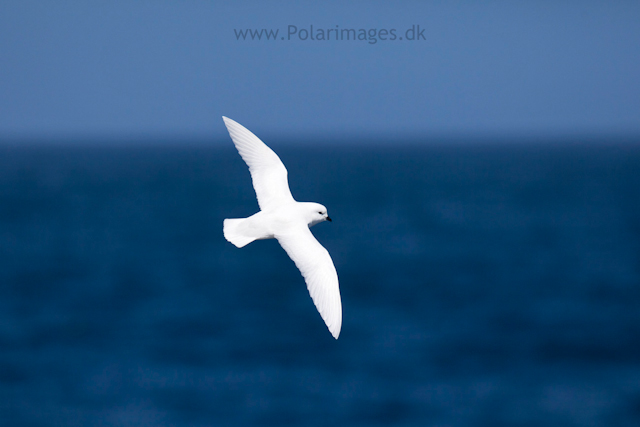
point(317, 213)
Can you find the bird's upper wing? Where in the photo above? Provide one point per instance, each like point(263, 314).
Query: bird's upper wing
point(268, 174)
point(316, 266)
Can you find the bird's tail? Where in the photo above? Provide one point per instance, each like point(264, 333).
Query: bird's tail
point(233, 232)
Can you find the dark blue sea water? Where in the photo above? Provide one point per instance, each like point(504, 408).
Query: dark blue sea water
point(492, 285)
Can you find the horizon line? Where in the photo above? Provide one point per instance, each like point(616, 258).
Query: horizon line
point(351, 139)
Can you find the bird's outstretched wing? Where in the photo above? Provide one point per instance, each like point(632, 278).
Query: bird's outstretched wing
point(316, 266)
point(268, 174)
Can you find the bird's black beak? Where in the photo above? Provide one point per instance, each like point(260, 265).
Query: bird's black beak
point(328, 219)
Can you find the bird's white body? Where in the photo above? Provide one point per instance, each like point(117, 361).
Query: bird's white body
point(270, 224)
point(288, 221)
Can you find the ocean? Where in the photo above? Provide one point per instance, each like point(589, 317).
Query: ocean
point(482, 285)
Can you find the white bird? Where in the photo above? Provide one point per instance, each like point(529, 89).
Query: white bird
point(288, 221)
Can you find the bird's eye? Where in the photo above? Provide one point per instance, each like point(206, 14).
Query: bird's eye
point(320, 213)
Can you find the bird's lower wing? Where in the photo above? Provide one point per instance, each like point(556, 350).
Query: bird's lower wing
point(316, 266)
point(268, 174)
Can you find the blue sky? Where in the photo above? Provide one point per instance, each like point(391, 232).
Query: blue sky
point(170, 69)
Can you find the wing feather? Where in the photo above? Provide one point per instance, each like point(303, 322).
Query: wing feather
point(268, 174)
point(316, 266)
